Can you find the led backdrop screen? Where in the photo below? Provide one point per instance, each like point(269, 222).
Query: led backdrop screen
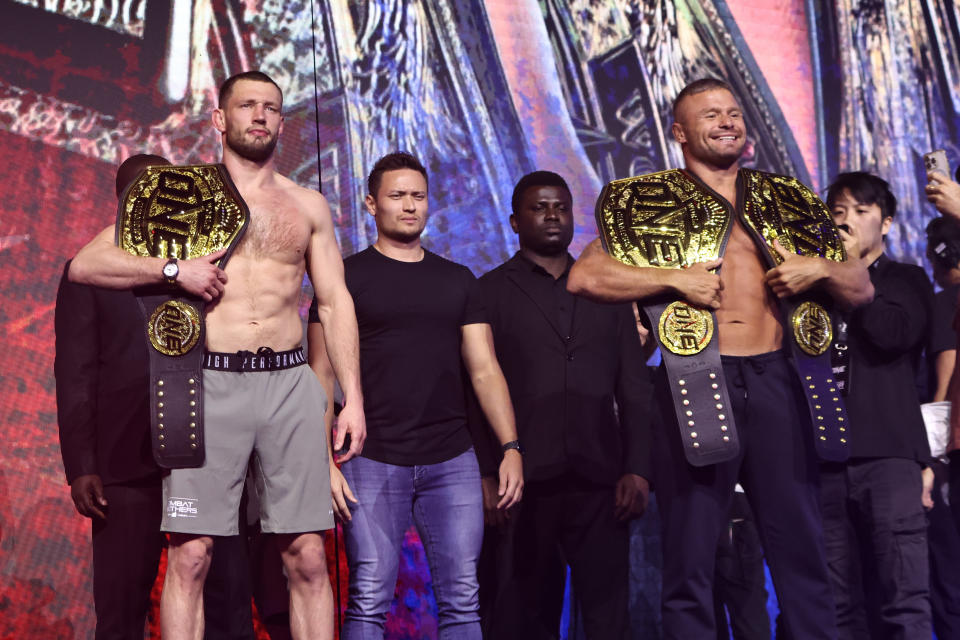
point(482, 91)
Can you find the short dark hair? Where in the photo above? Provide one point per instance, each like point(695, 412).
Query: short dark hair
point(392, 162)
point(536, 179)
point(257, 76)
point(943, 242)
point(698, 86)
point(865, 188)
point(132, 166)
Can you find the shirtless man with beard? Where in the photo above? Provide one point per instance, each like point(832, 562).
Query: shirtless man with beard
point(776, 462)
point(275, 413)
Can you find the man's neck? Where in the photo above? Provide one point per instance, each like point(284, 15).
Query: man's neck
point(871, 256)
point(721, 179)
point(398, 250)
point(555, 264)
point(248, 174)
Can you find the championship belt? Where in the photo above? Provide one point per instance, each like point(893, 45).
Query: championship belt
point(672, 220)
point(782, 208)
point(178, 212)
point(667, 220)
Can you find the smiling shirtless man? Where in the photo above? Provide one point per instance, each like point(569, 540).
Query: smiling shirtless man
point(775, 461)
point(268, 401)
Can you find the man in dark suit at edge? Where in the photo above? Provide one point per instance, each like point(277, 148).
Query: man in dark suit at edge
point(580, 392)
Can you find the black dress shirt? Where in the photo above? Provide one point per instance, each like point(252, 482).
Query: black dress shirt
point(886, 338)
point(102, 375)
point(576, 374)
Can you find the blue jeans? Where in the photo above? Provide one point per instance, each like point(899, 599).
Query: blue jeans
point(447, 507)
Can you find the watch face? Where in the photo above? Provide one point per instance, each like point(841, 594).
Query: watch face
point(170, 269)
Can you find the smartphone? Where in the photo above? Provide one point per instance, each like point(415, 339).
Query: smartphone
point(936, 161)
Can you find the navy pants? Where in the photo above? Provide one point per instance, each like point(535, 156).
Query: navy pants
point(778, 470)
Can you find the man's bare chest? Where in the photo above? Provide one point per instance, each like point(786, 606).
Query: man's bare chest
point(277, 229)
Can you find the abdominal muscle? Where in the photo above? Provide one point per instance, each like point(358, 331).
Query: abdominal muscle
point(259, 306)
point(748, 319)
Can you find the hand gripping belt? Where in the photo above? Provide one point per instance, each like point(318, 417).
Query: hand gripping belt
point(672, 220)
point(178, 212)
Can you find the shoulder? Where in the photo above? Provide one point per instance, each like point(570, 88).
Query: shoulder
point(359, 258)
point(312, 203)
point(911, 272)
point(495, 275)
point(440, 263)
point(908, 276)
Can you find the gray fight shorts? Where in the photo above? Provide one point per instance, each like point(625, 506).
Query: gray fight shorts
point(277, 416)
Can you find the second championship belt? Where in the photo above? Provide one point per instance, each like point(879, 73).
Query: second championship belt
point(667, 220)
point(781, 208)
point(178, 212)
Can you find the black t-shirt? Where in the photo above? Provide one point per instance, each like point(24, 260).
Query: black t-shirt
point(409, 315)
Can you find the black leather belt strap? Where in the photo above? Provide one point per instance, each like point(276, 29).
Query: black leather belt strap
point(700, 399)
point(176, 389)
point(828, 413)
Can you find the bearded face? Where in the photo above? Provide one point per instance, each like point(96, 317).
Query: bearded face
point(251, 120)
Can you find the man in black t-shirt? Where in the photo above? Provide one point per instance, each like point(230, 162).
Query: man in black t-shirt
point(422, 322)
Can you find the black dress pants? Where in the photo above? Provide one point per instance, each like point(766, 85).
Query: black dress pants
point(126, 554)
point(778, 470)
point(876, 537)
point(943, 539)
point(566, 521)
point(739, 583)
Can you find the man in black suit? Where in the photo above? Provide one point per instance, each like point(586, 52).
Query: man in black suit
point(102, 378)
point(580, 391)
point(872, 502)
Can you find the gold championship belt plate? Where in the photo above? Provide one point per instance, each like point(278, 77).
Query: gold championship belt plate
point(684, 329)
point(812, 328)
point(665, 220)
point(781, 208)
point(179, 212)
point(672, 220)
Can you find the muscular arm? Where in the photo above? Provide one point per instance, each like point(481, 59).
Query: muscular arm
point(340, 491)
point(597, 276)
point(320, 363)
point(492, 393)
point(338, 317)
point(848, 282)
point(101, 263)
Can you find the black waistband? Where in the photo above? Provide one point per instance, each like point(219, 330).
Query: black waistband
point(265, 359)
point(768, 356)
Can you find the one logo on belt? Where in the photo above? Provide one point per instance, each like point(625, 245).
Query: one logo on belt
point(685, 330)
point(812, 328)
point(174, 328)
point(183, 507)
